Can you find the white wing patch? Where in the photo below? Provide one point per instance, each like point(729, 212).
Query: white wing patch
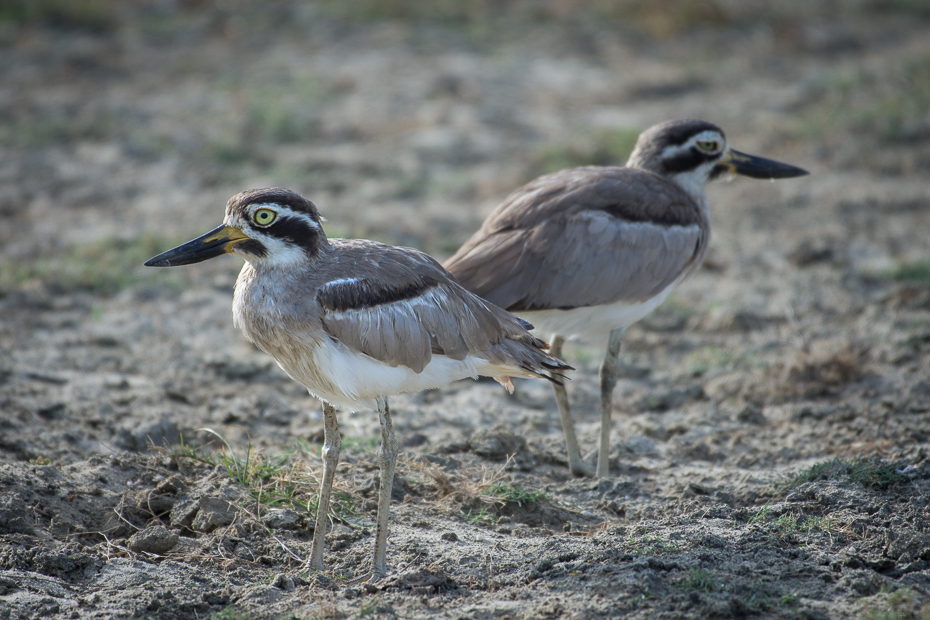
point(341, 281)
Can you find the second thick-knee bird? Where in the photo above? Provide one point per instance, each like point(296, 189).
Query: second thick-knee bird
point(586, 252)
point(356, 321)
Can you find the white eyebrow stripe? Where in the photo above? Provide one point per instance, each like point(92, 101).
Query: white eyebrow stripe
point(284, 210)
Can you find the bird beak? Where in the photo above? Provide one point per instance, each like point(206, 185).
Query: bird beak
point(735, 162)
point(217, 242)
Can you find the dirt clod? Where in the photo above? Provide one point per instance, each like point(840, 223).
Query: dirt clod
point(213, 512)
point(155, 539)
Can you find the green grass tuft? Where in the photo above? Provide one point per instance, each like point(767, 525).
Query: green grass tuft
point(516, 494)
point(761, 515)
point(870, 474)
point(482, 516)
point(788, 600)
point(917, 271)
point(276, 482)
point(700, 580)
point(651, 545)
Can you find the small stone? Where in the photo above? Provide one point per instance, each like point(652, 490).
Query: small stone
point(183, 513)
point(281, 519)
point(158, 434)
point(13, 514)
point(155, 539)
point(496, 443)
point(214, 513)
point(170, 486)
point(432, 576)
point(450, 536)
point(284, 582)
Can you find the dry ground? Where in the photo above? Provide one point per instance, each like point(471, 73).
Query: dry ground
point(770, 450)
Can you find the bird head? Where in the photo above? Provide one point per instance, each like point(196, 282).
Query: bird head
point(269, 227)
point(692, 152)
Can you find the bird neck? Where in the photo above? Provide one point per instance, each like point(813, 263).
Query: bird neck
point(692, 183)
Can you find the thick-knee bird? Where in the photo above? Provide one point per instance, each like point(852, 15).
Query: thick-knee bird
point(586, 252)
point(355, 322)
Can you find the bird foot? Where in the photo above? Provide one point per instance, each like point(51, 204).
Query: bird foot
point(370, 577)
point(581, 468)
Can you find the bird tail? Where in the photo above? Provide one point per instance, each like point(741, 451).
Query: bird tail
point(526, 356)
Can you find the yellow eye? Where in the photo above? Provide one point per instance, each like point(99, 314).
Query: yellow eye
point(264, 217)
point(709, 146)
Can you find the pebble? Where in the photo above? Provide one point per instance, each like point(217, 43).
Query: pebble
point(154, 539)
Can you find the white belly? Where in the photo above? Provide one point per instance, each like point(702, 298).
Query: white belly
point(592, 324)
point(353, 380)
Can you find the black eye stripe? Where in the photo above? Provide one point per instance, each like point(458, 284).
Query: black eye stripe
point(297, 231)
point(684, 162)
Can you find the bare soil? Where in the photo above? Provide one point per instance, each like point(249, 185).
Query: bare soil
point(803, 341)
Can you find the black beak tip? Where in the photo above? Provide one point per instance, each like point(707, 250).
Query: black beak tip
point(154, 262)
point(794, 171)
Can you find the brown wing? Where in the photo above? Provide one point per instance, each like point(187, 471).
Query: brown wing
point(583, 237)
point(402, 307)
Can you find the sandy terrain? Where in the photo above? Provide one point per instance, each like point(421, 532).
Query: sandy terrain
point(771, 436)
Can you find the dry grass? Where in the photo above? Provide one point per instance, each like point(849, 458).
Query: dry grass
point(466, 489)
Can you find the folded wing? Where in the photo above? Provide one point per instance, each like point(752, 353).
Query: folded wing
point(583, 237)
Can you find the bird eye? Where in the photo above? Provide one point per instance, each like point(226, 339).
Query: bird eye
point(709, 146)
point(264, 217)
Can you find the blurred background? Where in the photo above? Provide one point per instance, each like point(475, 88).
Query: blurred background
point(125, 125)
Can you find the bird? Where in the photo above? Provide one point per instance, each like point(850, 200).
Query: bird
point(585, 252)
point(355, 322)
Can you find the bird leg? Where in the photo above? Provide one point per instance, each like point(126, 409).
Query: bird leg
point(332, 443)
point(608, 375)
point(577, 465)
point(387, 458)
